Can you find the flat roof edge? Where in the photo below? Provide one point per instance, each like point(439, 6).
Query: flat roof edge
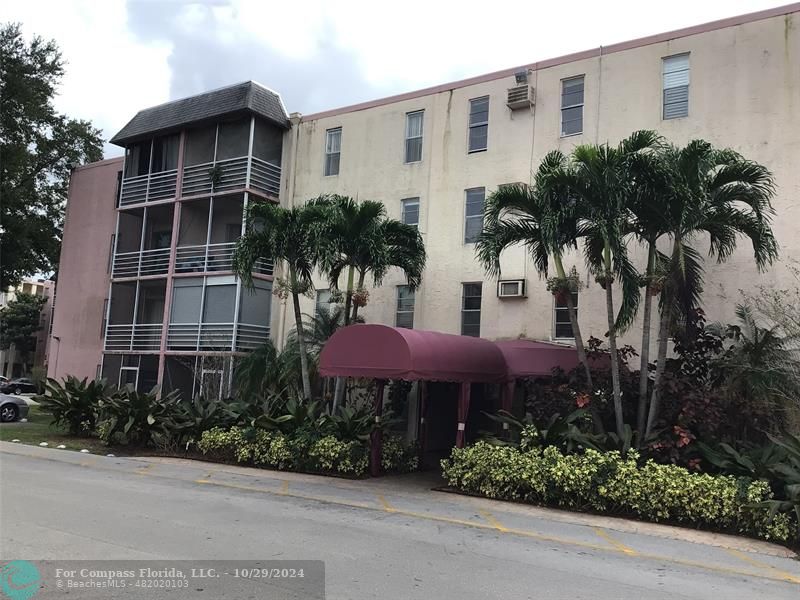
point(564, 59)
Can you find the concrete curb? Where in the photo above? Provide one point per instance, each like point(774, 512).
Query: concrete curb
point(410, 485)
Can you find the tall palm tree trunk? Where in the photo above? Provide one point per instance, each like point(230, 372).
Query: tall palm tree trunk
point(576, 328)
point(644, 369)
point(612, 345)
point(338, 390)
point(572, 311)
point(661, 360)
point(361, 277)
point(301, 341)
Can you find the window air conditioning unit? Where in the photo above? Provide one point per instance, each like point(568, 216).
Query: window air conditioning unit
point(511, 288)
point(521, 96)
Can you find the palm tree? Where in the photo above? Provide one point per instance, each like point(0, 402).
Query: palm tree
point(287, 235)
point(713, 193)
point(360, 240)
point(541, 218)
point(603, 184)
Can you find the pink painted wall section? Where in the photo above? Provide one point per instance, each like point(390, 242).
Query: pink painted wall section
point(83, 274)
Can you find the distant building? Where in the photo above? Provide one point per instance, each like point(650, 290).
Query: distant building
point(146, 292)
point(11, 360)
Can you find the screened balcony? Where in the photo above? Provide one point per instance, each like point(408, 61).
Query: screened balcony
point(233, 155)
point(217, 314)
point(209, 229)
point(135, 317)
point(151, 170)
point(143, 242)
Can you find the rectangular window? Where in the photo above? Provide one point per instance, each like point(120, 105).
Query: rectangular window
point(478, 124)
point(333, 151)
point(103, 324)
point(323, 303)
point(414, 136)
point(675, 73)
point(561, 324)
point(471, 309)
point(572, 106)
point(405, 307)
point(473, 214)
point(410, 211)
point(111, 253)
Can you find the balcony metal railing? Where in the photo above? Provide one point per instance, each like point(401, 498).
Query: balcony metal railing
point(212, 257)
point(231, 174)
point(215, 336)
point(134, 336)
point(137, 264)
point(265, 176)
point(150, 187)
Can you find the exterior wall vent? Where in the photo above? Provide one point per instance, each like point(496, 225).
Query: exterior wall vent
point(511, 288)
point(521, 96)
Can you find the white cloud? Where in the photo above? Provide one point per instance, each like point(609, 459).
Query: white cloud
point(117, 66)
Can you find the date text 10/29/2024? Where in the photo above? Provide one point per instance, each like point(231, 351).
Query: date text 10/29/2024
point(155, 579)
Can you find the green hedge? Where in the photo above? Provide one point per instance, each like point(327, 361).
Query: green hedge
point(275, 450)
point(608, 483)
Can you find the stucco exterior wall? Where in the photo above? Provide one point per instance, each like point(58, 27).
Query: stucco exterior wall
point(744, 94)
point(83, 278)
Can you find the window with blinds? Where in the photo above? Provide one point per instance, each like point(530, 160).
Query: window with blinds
point(471, 309)
point(572, 106)
point(333, 150)
point(478, 124)
point(675, 74)
point(410, 211)
point(473, 214)
point(414, 136)
point(404, 316)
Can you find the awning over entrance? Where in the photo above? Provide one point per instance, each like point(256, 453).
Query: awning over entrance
point(383, 352)
point(528, 358)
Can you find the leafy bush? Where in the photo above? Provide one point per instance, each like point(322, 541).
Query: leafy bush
point(193, 417)
point(74, 403)
point(607, 482)
point(397, 456)
point(138, 418)
point(331, 455)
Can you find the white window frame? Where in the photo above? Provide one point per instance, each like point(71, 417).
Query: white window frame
point(329, 136)
point(477, 124)
point(398, 312)
point(564, 309)
point(468, 217)
point(470, 310)
point(571, 106)
point(677, 78)
point(409, 137)
point(404, 204)
point(318, 304)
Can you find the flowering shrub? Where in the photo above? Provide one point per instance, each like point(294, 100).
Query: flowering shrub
point(397, 456)
point(276, 450)
point(607, 482)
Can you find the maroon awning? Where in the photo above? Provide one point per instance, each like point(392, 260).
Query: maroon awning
point(383, 352)
point(529, 358)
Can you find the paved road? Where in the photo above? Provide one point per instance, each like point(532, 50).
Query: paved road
point(388, 538)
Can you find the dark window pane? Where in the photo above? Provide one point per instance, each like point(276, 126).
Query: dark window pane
point(472, 229)
point(572, 120)
point(414, 150)
point(332, 164)
point(233, 140)
point(564, 330)
point(219, 304)
point(478, 137)
point(165, 153)
point(200, 145)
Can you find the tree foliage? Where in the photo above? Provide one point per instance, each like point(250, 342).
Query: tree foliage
point(19, 321)
point(39, 147)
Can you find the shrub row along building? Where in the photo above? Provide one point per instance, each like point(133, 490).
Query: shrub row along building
point(146, 294)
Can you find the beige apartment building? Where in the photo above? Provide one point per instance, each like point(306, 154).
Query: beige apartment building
point(432, 157)
point(12, 362)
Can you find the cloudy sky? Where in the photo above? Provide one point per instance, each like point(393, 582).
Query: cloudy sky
point(124, 56)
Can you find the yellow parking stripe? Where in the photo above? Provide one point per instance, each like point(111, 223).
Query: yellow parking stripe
point(385, 504)
point(617, 544)
point(762, 565)
point(493, 521)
